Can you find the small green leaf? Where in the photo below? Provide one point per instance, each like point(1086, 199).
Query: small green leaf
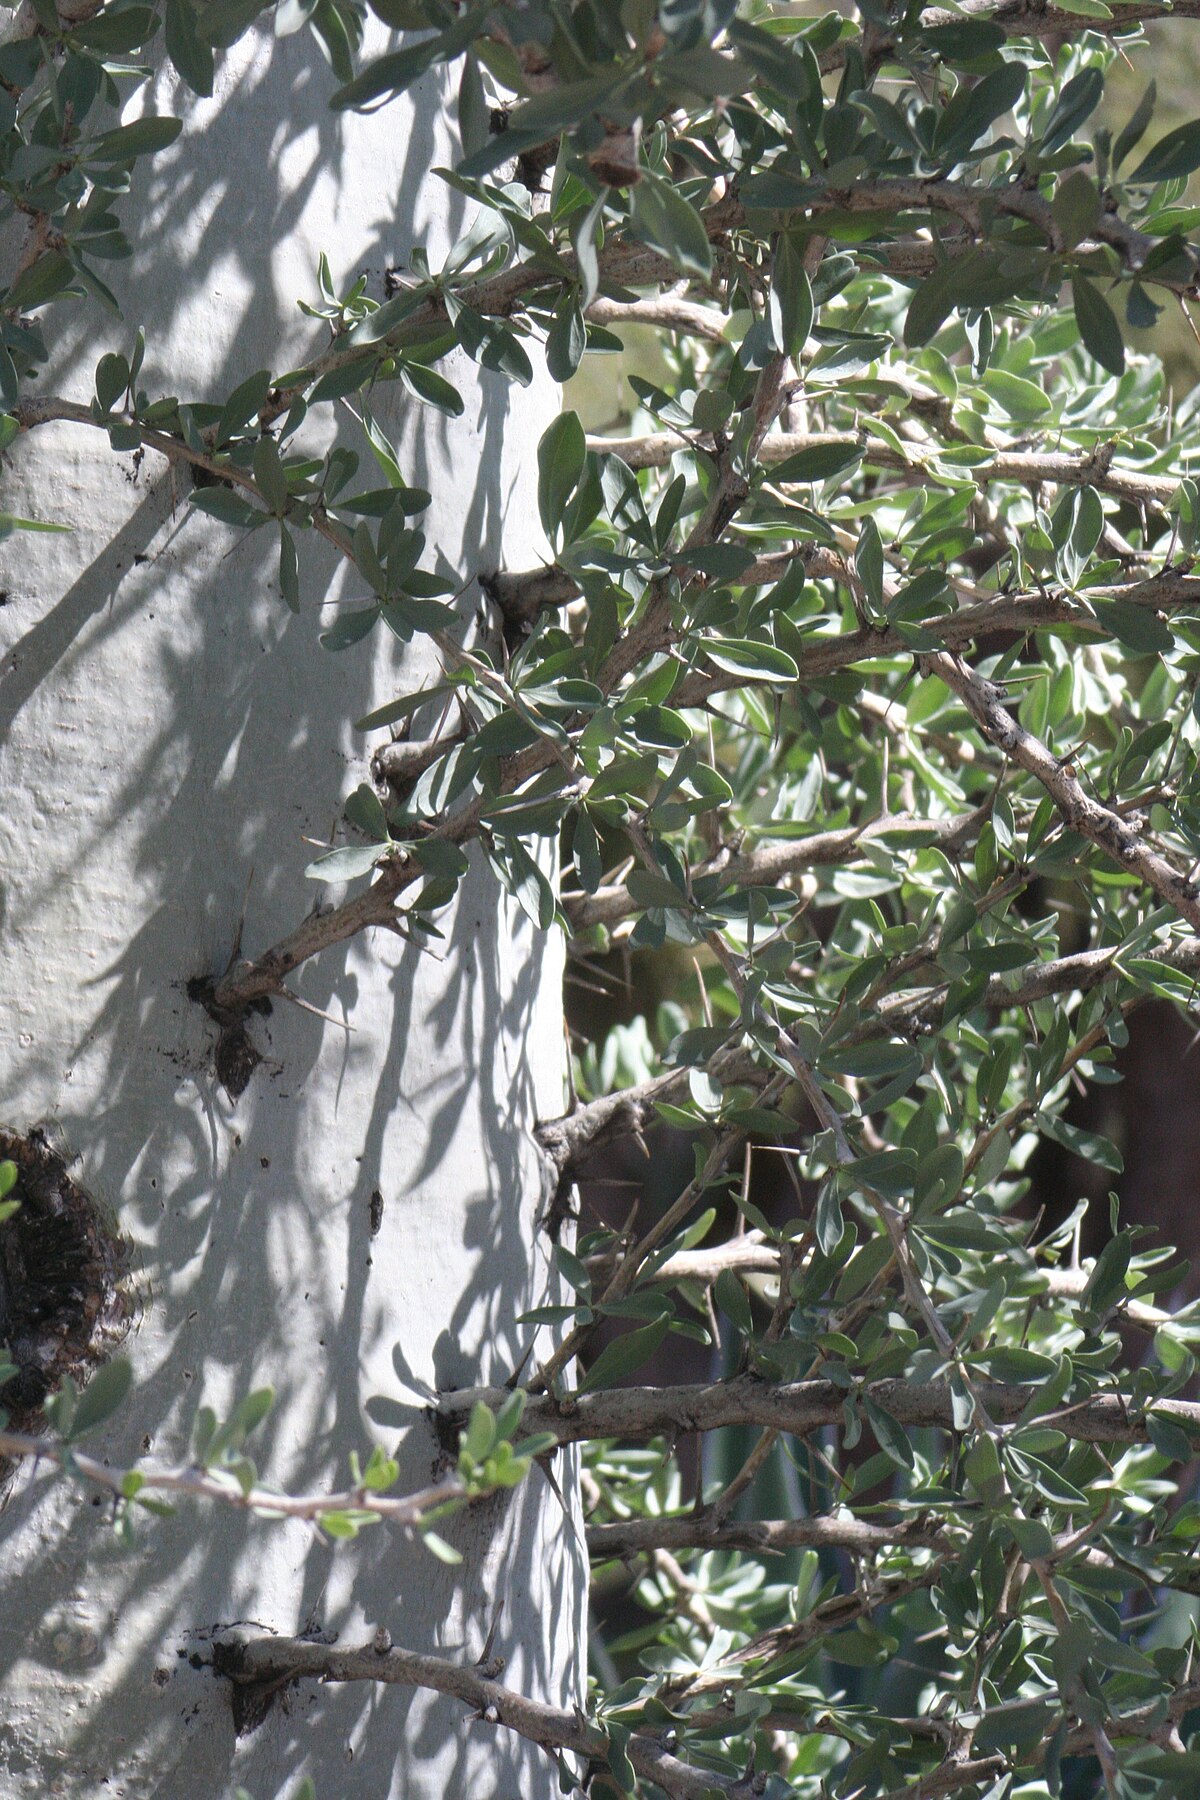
point(480, 1436)
point(1106, 1284)
point(889, 1435)
point(755, 661)
point(48, 276)
point(364, 810)
point(1076, 207)
point(733, 1301)
point(1075, 104)
point(821, 463)
point(142, 138)
point(974, 109)
point(102, 1396)
point(112, 378)
point(432, 389)
point(289, 569)
point(249, 1414)
point(1098, 325)
point(270, 476)
point(625, 1354)
point(440, 1548)
point(1031, 1537)
point(567, 338)
point(224, 504)
point(1178, 153)
point(1131, 134)
point(187, 49)
point(868, 562)
point(1137, 627)
point(395, 73)
point(244, 404)
point(791, 301)
point(662, 218)
point(348, 863)
point(561, 455)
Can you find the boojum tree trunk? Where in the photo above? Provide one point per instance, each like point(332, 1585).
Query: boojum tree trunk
point(361, 1224)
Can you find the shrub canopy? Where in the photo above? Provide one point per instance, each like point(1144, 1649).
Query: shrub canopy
point(863, 671)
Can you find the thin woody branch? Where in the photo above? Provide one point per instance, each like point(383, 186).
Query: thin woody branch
point(265, 1659)
point(950, 1776)
point(837, 1613)
point(638, 1413)
point(692, 1531)
point(626, 1538)
point(776, 860)
point(195, 1483)
point(629, 1112)
point(752, 1254)
point(974, 206)
point(1023, 18)
point(247, 983)
point(521, 596)
point(1078, 811)
point(669, 312)
point(572, 1139)
point(749, 1254)
point(1091, 468)
point(1030, 18)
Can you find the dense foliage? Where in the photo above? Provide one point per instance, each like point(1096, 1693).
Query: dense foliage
point(865, 671)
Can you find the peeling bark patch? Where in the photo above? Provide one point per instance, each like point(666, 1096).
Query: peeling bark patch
point(64, 1303)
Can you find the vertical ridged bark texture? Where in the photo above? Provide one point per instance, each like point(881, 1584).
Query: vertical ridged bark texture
point(362, 1222)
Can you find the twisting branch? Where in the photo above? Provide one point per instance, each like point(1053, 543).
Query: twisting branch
point(1084, 468)
point(521, 596)
point(778, 859)
point(278, 1658)
point(692, 1531)
point(191, 1482)
point(1029, 18)
point(638, 1413)
point(572, 1139)
point(1023, 18)
point(1099, 824)
point(749, 1254)
point(629, 1112)
point(669, 312)
point(835, 1614)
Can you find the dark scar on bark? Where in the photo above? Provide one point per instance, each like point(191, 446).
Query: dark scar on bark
point(64, 1297)
point(235, 1056)
point(249, 1701)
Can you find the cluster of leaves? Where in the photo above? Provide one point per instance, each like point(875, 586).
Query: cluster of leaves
point(865, 672)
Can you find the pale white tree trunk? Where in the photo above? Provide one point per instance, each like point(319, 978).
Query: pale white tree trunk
point(169, 737)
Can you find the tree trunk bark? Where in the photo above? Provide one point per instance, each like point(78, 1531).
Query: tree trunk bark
point(362, 1221)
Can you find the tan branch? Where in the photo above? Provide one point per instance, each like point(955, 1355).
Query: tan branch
point(1078, 811)
point(638, 1413)
point(196, 1483)
point(1084, 468)
point(274, 1658)
point(692, 1531)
